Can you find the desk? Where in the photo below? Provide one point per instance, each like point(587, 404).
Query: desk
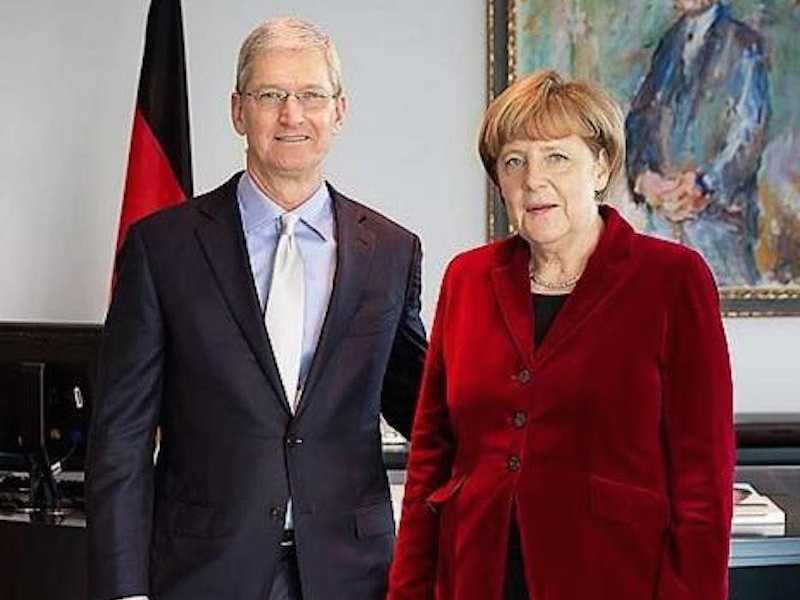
point(41, 562)
point(768, 568)
point(762, 568)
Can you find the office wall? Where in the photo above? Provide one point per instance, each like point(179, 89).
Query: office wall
point(415, 75)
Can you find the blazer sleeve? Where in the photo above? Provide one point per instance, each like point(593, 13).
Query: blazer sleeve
point(413, 572)
point(407, 358)
point(645, 120)
point(120, 462)
point(741, 138)
point(699, 436)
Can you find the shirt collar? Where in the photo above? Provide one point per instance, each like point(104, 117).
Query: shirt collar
point(700, 23)
point(259, 210)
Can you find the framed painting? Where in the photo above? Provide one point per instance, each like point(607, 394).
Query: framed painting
point(708, 90)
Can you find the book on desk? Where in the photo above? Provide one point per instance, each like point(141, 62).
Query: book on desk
point(755, 513)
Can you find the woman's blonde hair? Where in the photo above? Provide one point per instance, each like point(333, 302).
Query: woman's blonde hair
point(543, 106)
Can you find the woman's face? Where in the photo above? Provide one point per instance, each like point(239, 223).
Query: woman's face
point(549, 187)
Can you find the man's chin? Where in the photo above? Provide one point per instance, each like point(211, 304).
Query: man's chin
point(299, 172)
point(291, 167)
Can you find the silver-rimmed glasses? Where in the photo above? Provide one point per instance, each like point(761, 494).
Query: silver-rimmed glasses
point(273, 98)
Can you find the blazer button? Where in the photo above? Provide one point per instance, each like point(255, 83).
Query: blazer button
point(293, 441)
point(519, 419)
point(513, 463)
point(276, 513)
point(524, 376)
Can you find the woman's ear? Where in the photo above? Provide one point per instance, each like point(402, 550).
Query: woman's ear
point(602, 171)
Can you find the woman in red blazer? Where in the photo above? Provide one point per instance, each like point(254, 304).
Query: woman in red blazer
point(574, 435)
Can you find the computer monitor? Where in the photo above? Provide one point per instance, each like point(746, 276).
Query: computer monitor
point(47, 374)
point(24, 426)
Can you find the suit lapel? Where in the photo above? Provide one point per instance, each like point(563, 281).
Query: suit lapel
point(512, 292)
point(222, 240)
point(604, 274)
point(355, 244)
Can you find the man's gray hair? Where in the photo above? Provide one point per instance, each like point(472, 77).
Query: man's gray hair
point(287, 33)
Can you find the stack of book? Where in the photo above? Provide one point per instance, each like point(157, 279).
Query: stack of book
point(390, 437)
point(755, 513)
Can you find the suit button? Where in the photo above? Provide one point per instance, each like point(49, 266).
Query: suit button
point(519, 419)
point(524, 376)
point(293, 441)
point(276, 513)
point(513, 463)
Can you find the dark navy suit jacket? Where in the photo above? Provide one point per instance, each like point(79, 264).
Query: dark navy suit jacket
point(186, 349)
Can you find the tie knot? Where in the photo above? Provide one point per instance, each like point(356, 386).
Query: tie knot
point(288, 223)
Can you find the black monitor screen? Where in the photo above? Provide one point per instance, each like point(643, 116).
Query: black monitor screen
point(21, 407)
point(46, 391)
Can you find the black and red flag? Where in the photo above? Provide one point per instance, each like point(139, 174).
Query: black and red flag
point(160, 160)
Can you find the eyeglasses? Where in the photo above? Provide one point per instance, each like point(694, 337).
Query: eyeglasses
point(273, 98)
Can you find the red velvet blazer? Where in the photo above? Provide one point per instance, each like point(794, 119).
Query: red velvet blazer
point(612, 442)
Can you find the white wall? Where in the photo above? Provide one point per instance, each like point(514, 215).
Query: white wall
point(766, 364)
point(415, 74)
point(68, 78)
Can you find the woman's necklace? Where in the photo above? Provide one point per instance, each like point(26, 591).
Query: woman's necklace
point(564, 284)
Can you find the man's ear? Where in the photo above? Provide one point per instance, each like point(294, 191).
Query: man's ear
point(341, 111)
point(237, 118)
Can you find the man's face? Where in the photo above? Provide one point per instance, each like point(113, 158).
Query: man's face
point(287, 140)
point(691, 6)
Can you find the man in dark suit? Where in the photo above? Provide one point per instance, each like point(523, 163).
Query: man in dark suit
point(696, 130)
point(262, 327)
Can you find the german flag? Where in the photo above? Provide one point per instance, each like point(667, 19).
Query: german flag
point(160, 161)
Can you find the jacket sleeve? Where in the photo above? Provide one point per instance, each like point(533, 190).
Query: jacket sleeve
point(699, 440)
point(404, 370)
point(742, 141)
point(646, 120)
point(120, 463)
point(413, 572)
